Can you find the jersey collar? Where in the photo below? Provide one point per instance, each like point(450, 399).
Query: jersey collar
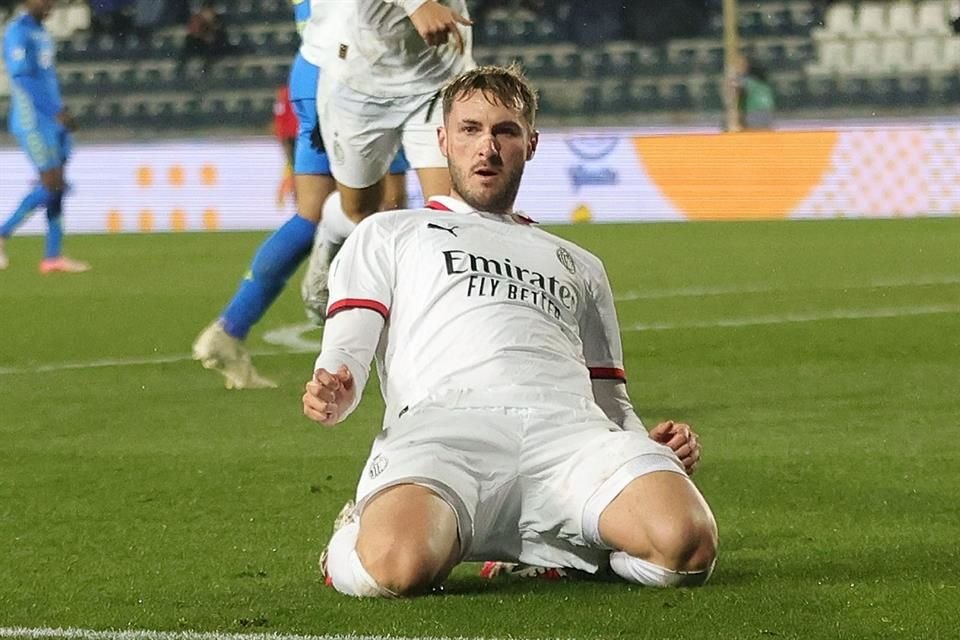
point(447, 203)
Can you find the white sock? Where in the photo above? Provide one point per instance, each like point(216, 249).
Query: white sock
point(337, 227)
point(653, 575)
point(345, 569)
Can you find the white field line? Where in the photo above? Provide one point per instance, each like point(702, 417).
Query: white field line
point(790, 318)
point(699, 292)
point(129, 362)
point(292, 340)
point(43, 633)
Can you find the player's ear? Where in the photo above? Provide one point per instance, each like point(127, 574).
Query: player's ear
point(534, 141)
point(442, 140)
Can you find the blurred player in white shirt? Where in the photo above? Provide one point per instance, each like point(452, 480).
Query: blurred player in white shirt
point(380, 91)
point(220, 345)
point(508, 432)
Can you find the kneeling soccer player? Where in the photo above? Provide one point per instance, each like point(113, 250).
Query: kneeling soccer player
point(508, 432)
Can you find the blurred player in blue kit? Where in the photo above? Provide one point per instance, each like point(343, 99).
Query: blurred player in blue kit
point(220, 346)
point(41, 124)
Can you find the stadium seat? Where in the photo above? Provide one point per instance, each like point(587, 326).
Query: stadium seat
point(647, 97)
point(571, 65)
point(839, 21)
point(900, 18)
point(857, 91)
point(833, 56)
point(780, 22)
point(926, 53)
point(712, 60)
point(619, 99)
point(823, 91)
point(951, 52)
point(949, 91)
point(751, 22)
point(678, 97)
point(865, 56)
point(542, 65)
point(78, 16)
point(872, 19)
point(895, 55)
point(916, 91)
point(592, 100)
point(710, 97)
point(932, 18)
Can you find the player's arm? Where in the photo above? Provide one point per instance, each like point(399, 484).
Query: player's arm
point(603, 352)
point(434, 21)
point(343, 366)
point(361, 292)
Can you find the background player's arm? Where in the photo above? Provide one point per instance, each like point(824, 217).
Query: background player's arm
point(434, 21)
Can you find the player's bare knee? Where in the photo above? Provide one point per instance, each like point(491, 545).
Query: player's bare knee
point(687, 543)
point(402, 569)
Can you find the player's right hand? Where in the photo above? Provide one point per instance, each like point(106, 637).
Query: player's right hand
point(435, 22)
point(328, 394)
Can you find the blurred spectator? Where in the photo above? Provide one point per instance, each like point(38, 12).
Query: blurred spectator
point(206, 37)
point(754, 95)
point(111, 17)
point(285, 128)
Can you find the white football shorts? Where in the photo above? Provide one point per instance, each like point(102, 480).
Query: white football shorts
point(527, 482)
point(362, 133)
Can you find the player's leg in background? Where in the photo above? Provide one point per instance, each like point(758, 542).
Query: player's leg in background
point(404, 542)
point(662, 531)
point(48, 148)
point(423, 151)
point(220, 346)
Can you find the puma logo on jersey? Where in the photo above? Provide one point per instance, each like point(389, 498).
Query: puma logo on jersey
point(449, 230)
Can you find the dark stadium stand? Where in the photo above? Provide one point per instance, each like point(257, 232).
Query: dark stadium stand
point(870, 55)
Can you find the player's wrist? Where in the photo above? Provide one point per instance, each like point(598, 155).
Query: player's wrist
point(409, 6)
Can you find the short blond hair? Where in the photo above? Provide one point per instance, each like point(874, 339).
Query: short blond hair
point(506, 85)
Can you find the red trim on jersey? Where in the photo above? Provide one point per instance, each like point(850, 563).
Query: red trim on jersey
point(438, 206)
point(357, 303)
point(607, 373)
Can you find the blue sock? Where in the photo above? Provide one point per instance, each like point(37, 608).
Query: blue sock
point(54, 245)
point(275, 261)
point(31, 201)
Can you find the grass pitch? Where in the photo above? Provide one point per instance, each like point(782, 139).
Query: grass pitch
point(820, 362)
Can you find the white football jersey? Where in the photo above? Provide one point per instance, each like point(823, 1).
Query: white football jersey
point(476, 301)
point(379, 52)
point(318, 39)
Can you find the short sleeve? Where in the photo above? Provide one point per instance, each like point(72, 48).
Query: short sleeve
point(599, 329)
point(363, 274)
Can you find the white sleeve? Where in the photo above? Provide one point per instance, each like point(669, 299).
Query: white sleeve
point(599, 329)
point(363, 274)
point(611, 396)
point(350, 338)
point(361, 292)
point(408, 6)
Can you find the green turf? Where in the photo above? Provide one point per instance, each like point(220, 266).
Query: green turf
point(149, 497)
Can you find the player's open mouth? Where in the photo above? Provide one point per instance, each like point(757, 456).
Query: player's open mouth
point(485, 173)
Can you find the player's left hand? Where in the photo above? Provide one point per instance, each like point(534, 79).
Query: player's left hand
point(328, 394)
point(435, 22)
point(682, 439)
